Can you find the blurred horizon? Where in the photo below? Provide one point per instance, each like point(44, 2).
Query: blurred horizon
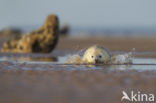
point(82, 15)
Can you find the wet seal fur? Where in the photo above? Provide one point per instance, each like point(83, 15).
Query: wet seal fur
point(93, 55)
point(96, 54)
point(42, 40)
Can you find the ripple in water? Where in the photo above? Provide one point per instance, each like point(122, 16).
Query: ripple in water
point(124, 61)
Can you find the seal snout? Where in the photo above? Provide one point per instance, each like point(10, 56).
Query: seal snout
point(97, 60)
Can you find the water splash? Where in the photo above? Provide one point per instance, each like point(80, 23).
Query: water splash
point(74, 59)
point(122, 59)
point(126, 58)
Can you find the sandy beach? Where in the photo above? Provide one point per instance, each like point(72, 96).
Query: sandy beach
point(56, 85)
point(112, 43)
point(84, 51)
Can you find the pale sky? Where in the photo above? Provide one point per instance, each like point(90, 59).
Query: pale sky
point(108, 13)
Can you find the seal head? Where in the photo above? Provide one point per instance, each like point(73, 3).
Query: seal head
point(96, 54)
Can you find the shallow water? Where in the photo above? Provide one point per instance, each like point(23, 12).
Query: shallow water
point(43, 78)
point(48, 62)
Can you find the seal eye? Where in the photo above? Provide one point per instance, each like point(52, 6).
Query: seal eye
point(100, 56)
point(92, 56)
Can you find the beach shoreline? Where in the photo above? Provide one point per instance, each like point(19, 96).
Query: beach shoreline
point(26, 83)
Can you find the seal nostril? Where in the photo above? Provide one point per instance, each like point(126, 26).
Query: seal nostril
point(96, 60)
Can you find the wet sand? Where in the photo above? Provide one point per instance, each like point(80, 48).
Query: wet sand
point(112, 43)
point(92, 86)
point(56, 85)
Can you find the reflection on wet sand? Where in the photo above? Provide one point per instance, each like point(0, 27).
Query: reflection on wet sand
point(35, 59)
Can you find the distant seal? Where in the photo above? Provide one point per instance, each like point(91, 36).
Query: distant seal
point(42, 40)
